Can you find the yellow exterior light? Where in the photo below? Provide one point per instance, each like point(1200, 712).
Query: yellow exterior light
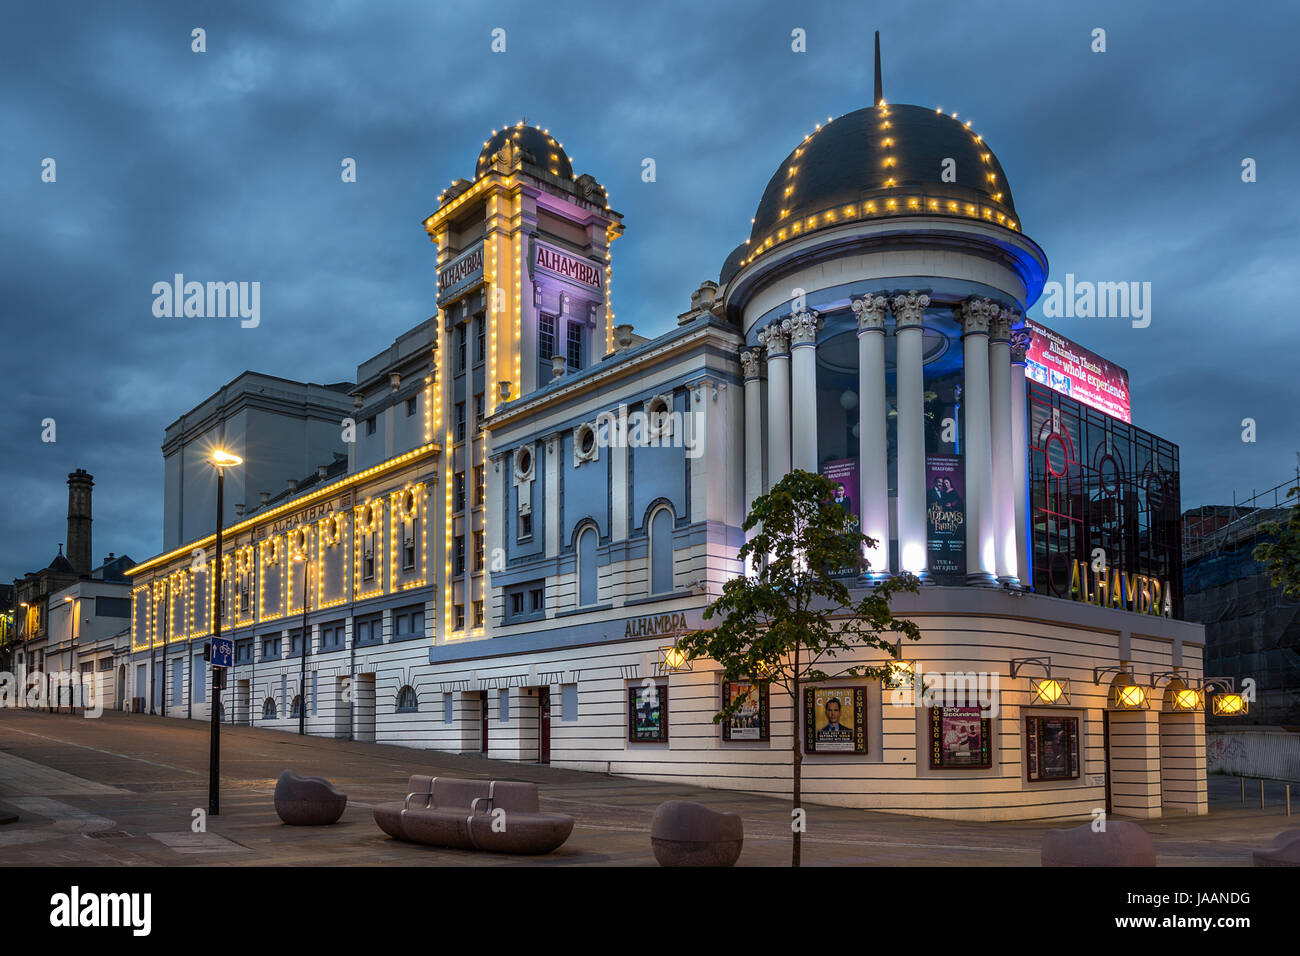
point(1230, 705)
point(674, 659)
point(1187, 699)
point(1128, 697)
point(224, 459)
point(1049, 690)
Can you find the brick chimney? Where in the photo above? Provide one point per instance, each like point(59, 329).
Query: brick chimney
point(80, 485)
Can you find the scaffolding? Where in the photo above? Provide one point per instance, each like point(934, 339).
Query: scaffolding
point(1252, 629)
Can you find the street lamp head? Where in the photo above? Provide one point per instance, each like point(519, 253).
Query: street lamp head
point(224, 459)
point(67, 598)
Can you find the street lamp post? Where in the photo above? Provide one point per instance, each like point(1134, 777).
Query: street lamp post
point(220, 460)
point(305, 643)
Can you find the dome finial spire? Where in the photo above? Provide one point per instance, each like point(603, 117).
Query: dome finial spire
point(880, 95)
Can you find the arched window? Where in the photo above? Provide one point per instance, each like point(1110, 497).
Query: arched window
point(661, 551)
point(268, 709)
point(295, 706)
point(587, 567)
point(406, 700)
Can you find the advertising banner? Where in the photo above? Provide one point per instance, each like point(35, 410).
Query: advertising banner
point(945, 514)
point(835, 720)
point(1074, 371)
point(844, 472)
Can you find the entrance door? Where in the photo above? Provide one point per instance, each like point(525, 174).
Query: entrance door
point(243, 692)
point(1105, 750)
point(364, 701)
point(119, 695)
point(543, 725)
point(483, 722)
point(156, 688)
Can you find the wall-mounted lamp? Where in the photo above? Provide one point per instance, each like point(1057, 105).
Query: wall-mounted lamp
point(1046, 689)
point(1225, 702)
point(1178, 697)
point(1125, 692)
point(673, 659)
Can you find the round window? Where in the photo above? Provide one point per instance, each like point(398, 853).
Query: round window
point(587, 440)
point(523, 461)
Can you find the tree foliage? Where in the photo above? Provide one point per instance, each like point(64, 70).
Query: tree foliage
point(1281, 556)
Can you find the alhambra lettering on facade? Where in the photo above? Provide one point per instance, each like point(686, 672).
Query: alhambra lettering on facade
point(314, 513)
point(568, 266)
point(653, 626)
point(1119, 589)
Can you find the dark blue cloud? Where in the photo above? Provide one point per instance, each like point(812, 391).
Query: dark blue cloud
point(225, 165)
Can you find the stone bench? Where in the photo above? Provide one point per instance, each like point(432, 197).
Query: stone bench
point(1121, 844)
point(308, 801)
point(690, 834)
point(463, 815)
point(1283, 851)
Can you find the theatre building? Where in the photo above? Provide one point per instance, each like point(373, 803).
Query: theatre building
point(538, 503)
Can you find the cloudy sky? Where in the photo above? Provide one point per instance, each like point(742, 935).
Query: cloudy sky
point(224, 165)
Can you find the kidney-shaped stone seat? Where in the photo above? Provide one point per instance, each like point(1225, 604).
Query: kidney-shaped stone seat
point(690, 834)
point(1283, 851)
point(308, 801)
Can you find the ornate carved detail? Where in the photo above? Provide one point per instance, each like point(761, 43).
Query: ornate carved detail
point(1000, 325)
point(1020, 338)
point(976, 314)
point(803, 327)
point(870, 310)
point(749, 362)
point(775, 339)
point(909, 309)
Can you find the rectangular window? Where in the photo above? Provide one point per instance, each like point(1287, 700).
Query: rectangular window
point(447, 704)
point(458, 491)
point(199, 674)
point(178, 676)
point(480, 486)
point(408, 545)
point(244, 652)
point(410, 406)
point(368, 630)
point(409, 622)
point(458, 565)
point(458, 617)
point(478, 613)
point(480, 339)
point(545, 338)
point(479, 410)
point(331, 636)
point(460, 421)
point(568, 702)
point(525, 526)
point(460, 348)
point(295, 643)
point(370, 425)
point(537, 599)
point(368, 543)
point(270, 648)
point(526, 601)
point(574, 355)
point(517, 603)
point(503, 705)
point(478, 550)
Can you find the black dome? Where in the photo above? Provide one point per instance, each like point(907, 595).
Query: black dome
point(884, 153)
point(546, 153)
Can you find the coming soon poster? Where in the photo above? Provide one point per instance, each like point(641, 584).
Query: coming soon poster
point(945, 514)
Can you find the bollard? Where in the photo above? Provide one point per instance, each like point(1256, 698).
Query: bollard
point(1261, 793)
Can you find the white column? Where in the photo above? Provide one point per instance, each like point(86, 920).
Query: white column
point(977, 441)
point(1004, 502)
point(803, 328)
point(909, 318)
point(873, 448)
point(749, 361)
point(1020, 457)
point(776, 341)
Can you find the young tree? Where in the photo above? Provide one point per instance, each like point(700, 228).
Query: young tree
point(1281, 556)
point(789, 619)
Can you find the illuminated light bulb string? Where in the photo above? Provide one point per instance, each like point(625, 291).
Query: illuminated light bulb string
point(868, 209)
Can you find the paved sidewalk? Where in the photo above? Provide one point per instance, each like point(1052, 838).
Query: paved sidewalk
point(122, 790)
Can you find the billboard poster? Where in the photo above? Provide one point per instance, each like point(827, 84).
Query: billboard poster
point(1052, 748)
point(749, 721)
point(835, 720)
point(844, 472)
point(945, 514)
point(959, 737)
point(647, 713)
point(1076, 372)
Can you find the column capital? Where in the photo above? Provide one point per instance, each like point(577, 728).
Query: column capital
point(802, 327)
point(870, 310)
point(775, 339)
point(749, 361)
point(975, 315)
point(909, 309)
point(1020, 338)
